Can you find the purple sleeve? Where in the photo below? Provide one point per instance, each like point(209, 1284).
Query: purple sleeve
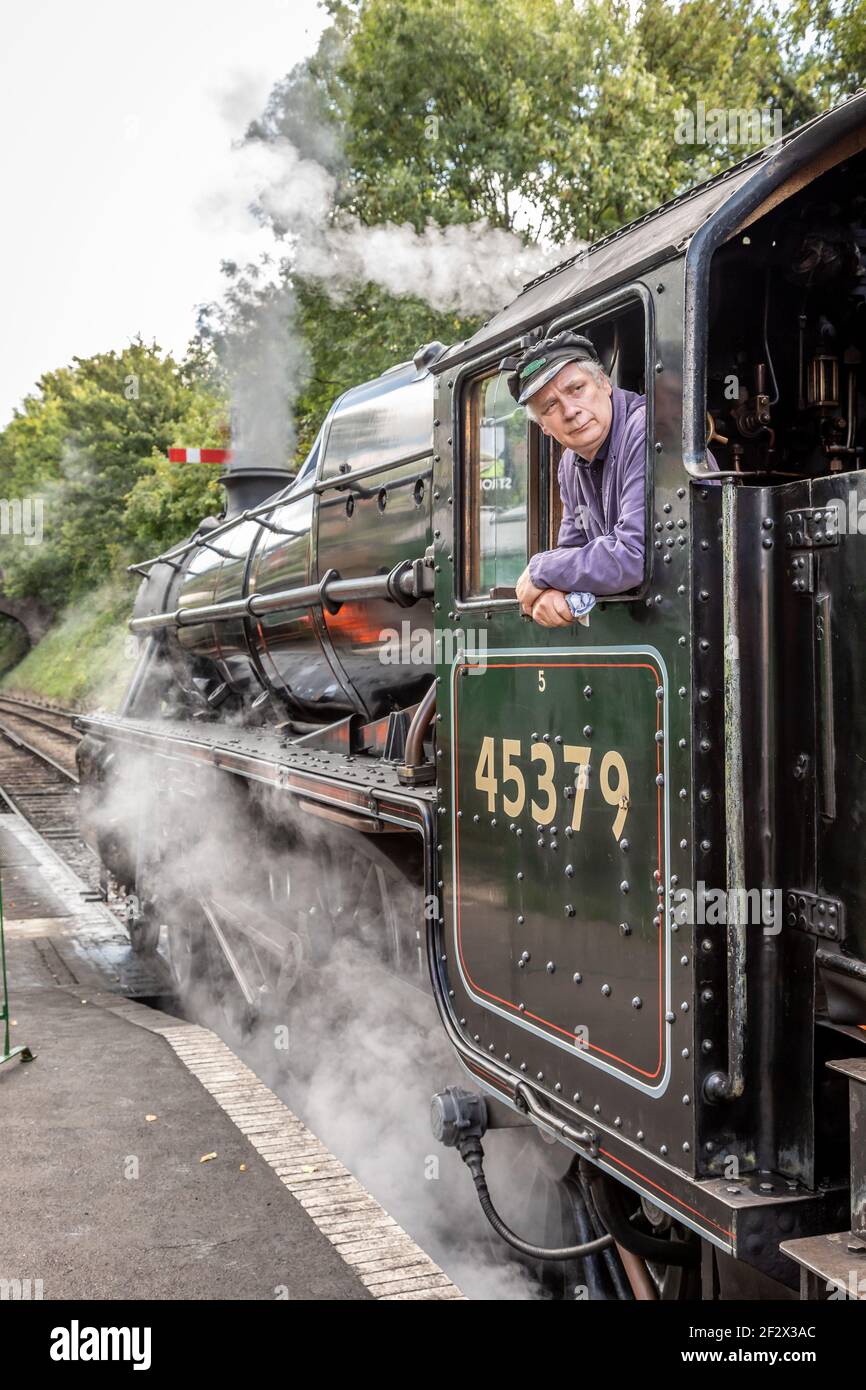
point(612, 563)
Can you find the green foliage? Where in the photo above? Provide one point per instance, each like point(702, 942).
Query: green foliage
point(93, 435)
point(86, 659)
point(355, 340)
point(170, 499)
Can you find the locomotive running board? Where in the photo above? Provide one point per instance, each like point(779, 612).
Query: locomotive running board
point(359, 789)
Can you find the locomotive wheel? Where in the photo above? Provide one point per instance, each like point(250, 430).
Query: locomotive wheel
point(186, 952)
point(142, 925)
point(363, 894)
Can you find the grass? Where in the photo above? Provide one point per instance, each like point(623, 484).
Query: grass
point(86, 659)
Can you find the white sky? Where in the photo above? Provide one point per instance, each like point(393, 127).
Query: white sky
point(116, 122)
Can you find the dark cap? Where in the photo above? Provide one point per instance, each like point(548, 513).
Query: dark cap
point(541, 361)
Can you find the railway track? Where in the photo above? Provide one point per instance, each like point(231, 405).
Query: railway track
point(39, 780)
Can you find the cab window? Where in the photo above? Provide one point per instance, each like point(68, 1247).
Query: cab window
point(495, 483)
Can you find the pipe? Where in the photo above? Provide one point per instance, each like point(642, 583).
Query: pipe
point(729, 1085)
point(615, 1270)
point(421, 721)
point(330, 592)
point(638, 1276)
point(338, 481)
point(841, 965)
point(608, 1203)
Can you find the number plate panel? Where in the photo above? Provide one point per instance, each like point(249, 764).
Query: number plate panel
point(563, 931)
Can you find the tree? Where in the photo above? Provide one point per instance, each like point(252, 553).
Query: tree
point(81, 443)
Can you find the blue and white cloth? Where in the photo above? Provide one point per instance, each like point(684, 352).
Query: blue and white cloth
point(581, 605)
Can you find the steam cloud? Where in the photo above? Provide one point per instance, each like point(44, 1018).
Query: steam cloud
point(471, 268)
point(366, 1048)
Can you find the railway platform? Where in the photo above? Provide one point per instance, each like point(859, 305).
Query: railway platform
point(147, 1161)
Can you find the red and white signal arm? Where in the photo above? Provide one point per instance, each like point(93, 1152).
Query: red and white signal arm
point(199, 455)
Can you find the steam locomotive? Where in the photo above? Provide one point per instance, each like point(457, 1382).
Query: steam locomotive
point(623, 856)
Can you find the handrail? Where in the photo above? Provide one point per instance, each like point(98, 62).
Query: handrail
point(404, 585)
point(319, 485)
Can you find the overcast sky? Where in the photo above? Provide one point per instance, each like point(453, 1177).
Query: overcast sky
point(116, 123)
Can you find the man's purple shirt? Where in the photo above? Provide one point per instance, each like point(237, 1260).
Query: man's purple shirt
point(602, 540)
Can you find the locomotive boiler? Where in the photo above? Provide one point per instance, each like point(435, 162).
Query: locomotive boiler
point(624, 856)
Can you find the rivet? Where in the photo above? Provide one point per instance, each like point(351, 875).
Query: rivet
point(577, 977)
point(637, 1002)
point(605, 989)
point(569, 910)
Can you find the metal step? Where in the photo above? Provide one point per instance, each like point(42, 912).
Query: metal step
point(834, 1266)
point(831, 1267)
point(855, 1070)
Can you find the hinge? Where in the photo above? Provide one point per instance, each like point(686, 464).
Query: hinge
point(808, 529)
point(817, 915)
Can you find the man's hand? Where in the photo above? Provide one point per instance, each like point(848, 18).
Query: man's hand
point(527, 592)
point(552, 610)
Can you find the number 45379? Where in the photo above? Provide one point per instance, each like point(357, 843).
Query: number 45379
point(613, 780)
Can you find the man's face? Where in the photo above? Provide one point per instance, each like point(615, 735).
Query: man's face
point(575, 409)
